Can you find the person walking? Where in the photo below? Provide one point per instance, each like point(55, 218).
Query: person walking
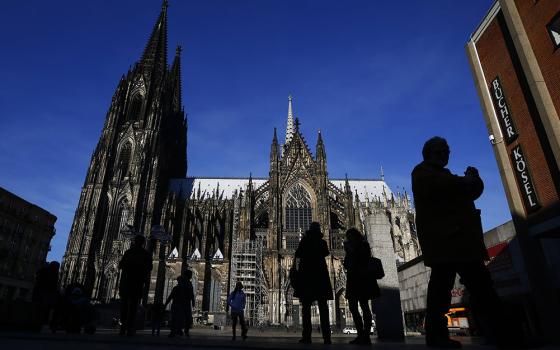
point(451, 237)
point(361, 287)
point(136, 265)
point(46, 295)
point(236, 302)
point(190, 302)
point(312, 269)
point(182, 298)
point(157, 313)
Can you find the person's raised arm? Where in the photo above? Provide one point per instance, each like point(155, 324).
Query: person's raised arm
point(431, 182)
point(474, 183)
point(324, 248)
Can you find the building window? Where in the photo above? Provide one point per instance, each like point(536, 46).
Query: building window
point(135, 107)
point(120, 220)
point(298, 209)
point(124, 159)
point(554, 30)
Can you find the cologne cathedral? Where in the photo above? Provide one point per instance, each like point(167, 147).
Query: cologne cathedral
point(223, 229)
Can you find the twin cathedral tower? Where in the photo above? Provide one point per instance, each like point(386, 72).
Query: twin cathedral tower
point(223, 229)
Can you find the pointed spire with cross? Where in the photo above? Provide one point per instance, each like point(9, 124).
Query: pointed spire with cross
point(290, 122)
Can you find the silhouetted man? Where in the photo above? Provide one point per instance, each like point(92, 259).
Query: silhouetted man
point(136, 265)
point(450, 235)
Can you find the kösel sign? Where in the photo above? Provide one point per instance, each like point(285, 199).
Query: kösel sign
point(502, 111)
point(524, 179)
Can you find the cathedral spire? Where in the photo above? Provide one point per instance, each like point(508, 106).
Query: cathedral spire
point(154, 58)
point(274, 148)
point(347, 187)
point(176, 78)
point(320, 148)
point(250, 184)
point(290, 122)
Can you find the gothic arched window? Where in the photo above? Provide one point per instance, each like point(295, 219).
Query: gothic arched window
point(135, 107)
point(298, 209)
point(124, 159)
point(123, 212)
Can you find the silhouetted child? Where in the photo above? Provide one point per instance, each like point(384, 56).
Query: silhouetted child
point(158, 311)
point(76, 311)
point(190, 302)
point(236, 301)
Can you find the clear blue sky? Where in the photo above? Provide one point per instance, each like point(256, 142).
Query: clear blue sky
point(377, 77)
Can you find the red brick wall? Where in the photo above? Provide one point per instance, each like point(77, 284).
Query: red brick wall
point(535, 17)
point(496, 61)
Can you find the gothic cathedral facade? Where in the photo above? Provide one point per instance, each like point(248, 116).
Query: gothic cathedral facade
point(223, 229)
point(142, 146)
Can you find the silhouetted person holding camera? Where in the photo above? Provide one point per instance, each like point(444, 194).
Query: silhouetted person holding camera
point(315, 282)
point(136, 265)
point(360, 286)
point(451, 237)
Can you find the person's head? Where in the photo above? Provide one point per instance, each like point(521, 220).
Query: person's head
point(238, 286)
point(77, 292)
point(314, 230)
point(436, 151)
point(181, 280)
point(139, 241)
point(188, 274)
point(54, 265)
point(354, 235)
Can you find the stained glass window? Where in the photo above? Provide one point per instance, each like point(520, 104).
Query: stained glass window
point(298, 209)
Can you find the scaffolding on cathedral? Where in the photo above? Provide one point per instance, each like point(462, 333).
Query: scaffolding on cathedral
point(246, 267)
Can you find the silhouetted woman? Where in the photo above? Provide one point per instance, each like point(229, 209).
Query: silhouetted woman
point(181, 297)
point(316, 284)
point(361, 287)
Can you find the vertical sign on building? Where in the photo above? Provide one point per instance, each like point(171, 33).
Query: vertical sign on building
point(521, 168)
point(502, 111)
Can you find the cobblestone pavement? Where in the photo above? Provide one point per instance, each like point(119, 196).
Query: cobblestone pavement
point(202, 339)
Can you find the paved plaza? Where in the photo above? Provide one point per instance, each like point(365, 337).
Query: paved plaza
point(202, 339)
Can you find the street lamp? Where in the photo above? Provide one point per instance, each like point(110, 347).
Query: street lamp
point(158, 233)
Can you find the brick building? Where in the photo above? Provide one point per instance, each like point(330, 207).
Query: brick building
point(515, 62)
point(26, 231)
